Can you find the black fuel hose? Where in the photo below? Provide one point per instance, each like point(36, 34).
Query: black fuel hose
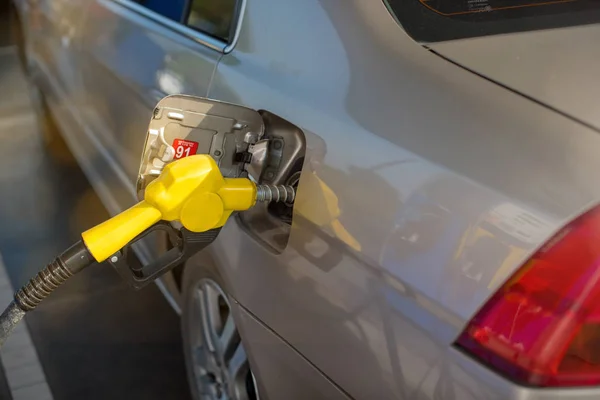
point(73, 260)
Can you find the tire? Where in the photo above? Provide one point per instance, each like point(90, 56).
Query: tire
point(209, 371)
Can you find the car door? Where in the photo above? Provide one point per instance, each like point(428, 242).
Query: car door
point(135, 53)
point(54, 28)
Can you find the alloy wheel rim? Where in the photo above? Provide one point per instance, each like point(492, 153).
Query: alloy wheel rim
point(219, 362)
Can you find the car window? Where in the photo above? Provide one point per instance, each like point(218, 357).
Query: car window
point(438, 20)
point(172, 9)
point(213, 17)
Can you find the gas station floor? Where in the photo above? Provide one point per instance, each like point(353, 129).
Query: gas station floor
point(95, 338)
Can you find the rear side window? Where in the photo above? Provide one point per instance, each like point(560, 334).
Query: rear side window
point(213, 17)
point(172, 9)
point(439, 20)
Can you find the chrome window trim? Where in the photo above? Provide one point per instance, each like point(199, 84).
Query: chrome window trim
point(238, 28)
point(197, 36)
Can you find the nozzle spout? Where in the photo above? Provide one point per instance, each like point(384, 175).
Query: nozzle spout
point(272, 193)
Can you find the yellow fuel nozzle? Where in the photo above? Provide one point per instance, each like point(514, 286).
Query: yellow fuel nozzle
point(190, 190)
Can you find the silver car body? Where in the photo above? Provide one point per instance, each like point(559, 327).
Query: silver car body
point(398, 132)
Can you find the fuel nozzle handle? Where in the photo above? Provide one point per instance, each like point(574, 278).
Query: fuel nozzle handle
point(190, 190)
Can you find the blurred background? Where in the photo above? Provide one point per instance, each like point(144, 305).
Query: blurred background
point(95, 338)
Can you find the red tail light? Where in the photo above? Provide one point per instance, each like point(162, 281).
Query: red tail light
point(542, 327)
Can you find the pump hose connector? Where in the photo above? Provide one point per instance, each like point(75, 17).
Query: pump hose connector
point(42, 284)
point(73, 260)
point(272, 193)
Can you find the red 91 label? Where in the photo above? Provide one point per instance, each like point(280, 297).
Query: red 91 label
point(184, 148)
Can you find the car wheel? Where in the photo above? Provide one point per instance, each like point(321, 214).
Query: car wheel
point(216, 360)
